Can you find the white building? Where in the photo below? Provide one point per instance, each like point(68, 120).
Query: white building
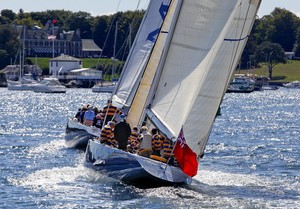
point(67, 68)
point(63, 64)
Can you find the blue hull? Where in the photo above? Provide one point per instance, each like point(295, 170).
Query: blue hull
point(132, 168)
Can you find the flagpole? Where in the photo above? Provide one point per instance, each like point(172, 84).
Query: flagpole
point(52, 39)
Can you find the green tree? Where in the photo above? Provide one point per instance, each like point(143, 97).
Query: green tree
point(8, 44)
point(269, 54)
point(8, 15)
point(100, 30)
point(296, 48)
point(250, 47)
point(83, 21)
point(283, 28)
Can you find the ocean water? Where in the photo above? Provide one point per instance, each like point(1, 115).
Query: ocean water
point(252, 159)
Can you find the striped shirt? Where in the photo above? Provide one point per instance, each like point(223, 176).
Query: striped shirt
point(107, 135)
point(110, 110)
point(134, 140)
point(157, 142)
point(167, 148)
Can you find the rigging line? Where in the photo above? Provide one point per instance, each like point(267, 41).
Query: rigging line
point(134, 20)
point(105, 42)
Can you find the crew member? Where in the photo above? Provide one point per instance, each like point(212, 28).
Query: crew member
point(122, 133)
point(107, 134)
point(109, 111)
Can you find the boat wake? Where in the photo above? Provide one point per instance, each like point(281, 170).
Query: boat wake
point(65, 179)
point(234, 188)
point(51, 147)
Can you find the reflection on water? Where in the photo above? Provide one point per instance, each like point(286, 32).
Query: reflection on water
point(252, 158)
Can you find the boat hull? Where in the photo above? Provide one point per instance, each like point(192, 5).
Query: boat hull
point(77, 135)
point(270, 87)
point(49, 90)
point(18, 86)
point(292, 85)
point(103, 89)
point(131, 168)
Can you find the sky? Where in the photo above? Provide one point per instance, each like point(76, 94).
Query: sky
point(102, 7)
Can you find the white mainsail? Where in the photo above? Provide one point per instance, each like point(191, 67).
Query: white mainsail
point(219, 75)
point(141, 49)
point(198, 66)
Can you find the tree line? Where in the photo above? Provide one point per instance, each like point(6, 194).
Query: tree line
point(99, 28)
point(272, 35)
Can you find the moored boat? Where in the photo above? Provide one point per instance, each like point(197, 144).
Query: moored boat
point(48, 85)
point(104, 88)
point(241, 84)
point(23, 84)
point(269, 87)
point(292, 85)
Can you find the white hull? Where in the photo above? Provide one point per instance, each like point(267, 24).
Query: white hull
point(269, 87)
point(131, 168)
point(103, 89)
point(293, 85)
point(19, 86)
point(49, 85)
point(49, 89)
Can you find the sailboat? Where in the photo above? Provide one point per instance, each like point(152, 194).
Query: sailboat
point(180, 88)
point(23, 83)
point(108, 88)
point(77, 135)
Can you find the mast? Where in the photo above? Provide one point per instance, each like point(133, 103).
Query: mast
point(114, 53)
point(22, 54)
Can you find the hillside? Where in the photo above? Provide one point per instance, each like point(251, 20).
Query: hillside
point(281, 73)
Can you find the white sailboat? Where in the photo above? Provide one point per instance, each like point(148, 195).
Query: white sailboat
point(23, 83)
point(77, 134)
point(109, 87)
point(49, 85)
point(181, 86)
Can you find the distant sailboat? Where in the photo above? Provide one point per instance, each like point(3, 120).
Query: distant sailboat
point(23, 83)
point(108, 88)
point(180, 88)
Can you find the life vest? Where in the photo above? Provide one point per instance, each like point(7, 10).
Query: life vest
point(158, 158)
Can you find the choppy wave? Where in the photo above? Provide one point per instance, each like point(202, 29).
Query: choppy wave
point(251, 160)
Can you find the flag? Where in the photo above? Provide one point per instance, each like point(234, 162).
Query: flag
point(54, 21)
point(51, 37)
point(186, 158)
